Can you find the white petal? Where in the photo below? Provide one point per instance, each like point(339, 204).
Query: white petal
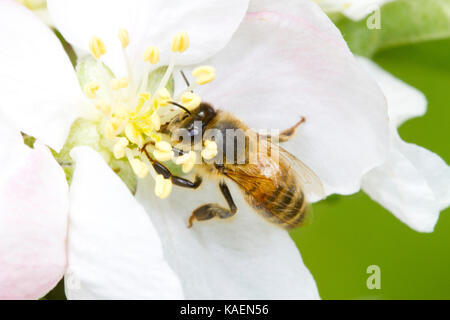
point(359, 9)
point(404, 102)
point(209, 23)
point(244, 257)
point(33, 218)
point(353, 9)
point(12, 149)
point(40, 92)
point(114, 251)
point(279, 67)
point(414, 184)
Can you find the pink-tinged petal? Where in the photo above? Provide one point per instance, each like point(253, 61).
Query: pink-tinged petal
point(404, 101)
point(114, 250)
point(33, 223)
point(243, 257)
point(414, 184)
point(281, 66)
point(40, 92)
point(209, 23)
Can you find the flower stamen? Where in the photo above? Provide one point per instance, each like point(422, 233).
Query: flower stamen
point(130, 119)
point(91, 88)
point(210, 150)
point(163, 187)
point(163, 151)
point(97, 47)
point(124, 38)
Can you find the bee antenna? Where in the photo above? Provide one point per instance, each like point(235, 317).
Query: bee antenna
point(180, 106)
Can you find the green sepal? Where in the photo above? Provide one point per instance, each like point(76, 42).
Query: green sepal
point(154, 78)
point(85, 133)
point(88, 69)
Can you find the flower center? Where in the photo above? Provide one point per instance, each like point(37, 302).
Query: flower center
point(131, 117)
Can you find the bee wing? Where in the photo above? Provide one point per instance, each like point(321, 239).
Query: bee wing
point(312, 186)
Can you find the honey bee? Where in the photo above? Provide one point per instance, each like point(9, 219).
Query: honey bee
point(275, 186)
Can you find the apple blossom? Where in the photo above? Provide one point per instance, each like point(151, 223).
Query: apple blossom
point(271, 66)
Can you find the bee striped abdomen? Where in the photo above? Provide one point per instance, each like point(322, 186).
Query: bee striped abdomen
point(285, 205)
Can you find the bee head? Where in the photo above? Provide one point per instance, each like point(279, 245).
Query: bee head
point(189, 127)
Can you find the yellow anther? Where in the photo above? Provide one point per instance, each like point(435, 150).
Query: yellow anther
point(91, 88)
point(151, 54)
point(139, 168)
point(103, 107)
point(210, 143)
point(204, 74)
point(163, 151)
point(163, 97)
point(117, 84)
point(163, 187)
point(190, 100)
point(180, 42)
point(97, 47)
point(134, 135)
point(210, 150)
point(187, 161)
point(119, 148)
point(163, 146)
point(156, 121)
point(124, 37)
point(109, 130)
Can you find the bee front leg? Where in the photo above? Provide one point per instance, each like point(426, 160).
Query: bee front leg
point(212, 210)
point(178, 181)
point(181, 182)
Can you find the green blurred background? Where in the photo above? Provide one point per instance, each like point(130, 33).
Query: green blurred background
point(350, 233)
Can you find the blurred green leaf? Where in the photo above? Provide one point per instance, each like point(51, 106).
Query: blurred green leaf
point(402, 22)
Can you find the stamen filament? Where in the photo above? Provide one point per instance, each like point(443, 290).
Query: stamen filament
point(169, 71)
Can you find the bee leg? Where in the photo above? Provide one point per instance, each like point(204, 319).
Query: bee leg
point(287, 134)
point(212, 210)
point(181, 182)
point(178, 181)
point(227, 195)
point(161, 169)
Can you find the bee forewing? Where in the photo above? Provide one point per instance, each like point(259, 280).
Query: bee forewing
point(311, 184)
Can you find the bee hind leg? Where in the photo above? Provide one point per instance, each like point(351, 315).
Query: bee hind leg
point(211, 210)
point(288, 133)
